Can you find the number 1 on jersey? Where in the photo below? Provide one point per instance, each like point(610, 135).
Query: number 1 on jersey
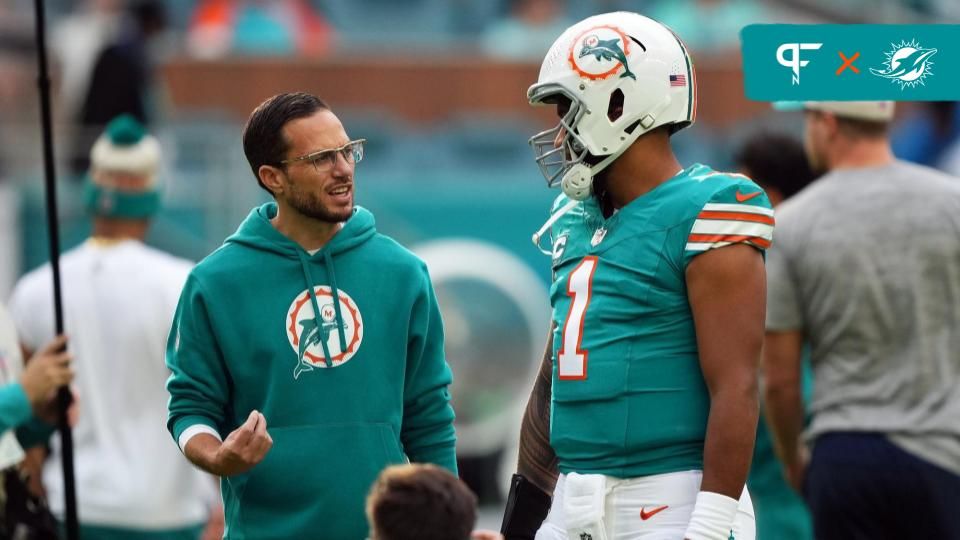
point(571, 360)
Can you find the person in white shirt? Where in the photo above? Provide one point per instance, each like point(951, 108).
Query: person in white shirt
point(119, 296)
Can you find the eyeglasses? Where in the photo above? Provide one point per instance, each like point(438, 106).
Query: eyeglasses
point(324, 160)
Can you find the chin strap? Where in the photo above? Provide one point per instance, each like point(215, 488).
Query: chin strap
point(549, 223)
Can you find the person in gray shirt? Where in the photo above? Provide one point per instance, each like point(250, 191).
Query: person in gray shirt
point(865, 267)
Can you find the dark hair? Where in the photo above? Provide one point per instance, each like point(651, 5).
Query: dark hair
point(150, 16)
point(775, 160)
point(263, 140)
point(420, 502)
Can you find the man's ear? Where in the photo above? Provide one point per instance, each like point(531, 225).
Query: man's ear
point(272, 178)
point(831, 124)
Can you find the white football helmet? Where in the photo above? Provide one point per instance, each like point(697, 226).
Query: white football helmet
point(603, 64)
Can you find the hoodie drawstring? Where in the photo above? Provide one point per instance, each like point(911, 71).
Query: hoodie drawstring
point(304, 264)
point(328, 261)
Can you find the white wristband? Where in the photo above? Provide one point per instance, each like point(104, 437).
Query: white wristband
point(712, 517)
point(193, 430)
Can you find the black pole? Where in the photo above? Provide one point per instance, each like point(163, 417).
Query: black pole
point(63, 394)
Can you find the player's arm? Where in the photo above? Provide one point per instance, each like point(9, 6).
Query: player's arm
point(727, 293)
point(783, 401)
point(530, 489)
point(537, 461)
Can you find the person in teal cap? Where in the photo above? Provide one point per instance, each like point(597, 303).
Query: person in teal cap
point(119, 295)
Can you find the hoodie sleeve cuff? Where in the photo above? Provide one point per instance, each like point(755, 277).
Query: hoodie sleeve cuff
point(189, 426)
point(14, 406)
point(443, 455)
point(194, 430)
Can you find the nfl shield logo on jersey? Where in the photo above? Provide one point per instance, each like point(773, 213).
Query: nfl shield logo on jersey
point(586, 536)
point(598, 236)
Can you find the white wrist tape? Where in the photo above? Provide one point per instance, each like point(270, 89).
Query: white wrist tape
point(712, 517)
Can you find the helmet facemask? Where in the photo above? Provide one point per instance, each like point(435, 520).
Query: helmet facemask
point(554, 161)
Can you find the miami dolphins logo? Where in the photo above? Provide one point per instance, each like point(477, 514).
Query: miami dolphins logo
point(601, 51)
point(907, 64)
point(314, 341)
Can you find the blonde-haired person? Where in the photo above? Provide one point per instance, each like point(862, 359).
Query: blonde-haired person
point(865, 271)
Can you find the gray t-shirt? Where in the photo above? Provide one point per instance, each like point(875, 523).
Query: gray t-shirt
point(866, 262)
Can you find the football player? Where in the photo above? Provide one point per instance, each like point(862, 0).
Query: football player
point(642, 422)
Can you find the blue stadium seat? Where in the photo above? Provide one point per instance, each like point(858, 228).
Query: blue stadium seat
point(390, 141)
point(368, 24)
point(472, 17)
point(200, 140)
point(486, 143)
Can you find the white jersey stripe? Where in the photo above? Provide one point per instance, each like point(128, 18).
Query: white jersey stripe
point(704, 246)
point(718, 226)
point(746, 208)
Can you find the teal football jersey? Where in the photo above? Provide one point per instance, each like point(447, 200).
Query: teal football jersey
point(629, 398)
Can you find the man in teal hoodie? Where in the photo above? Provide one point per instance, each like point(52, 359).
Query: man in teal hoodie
point(308, 318)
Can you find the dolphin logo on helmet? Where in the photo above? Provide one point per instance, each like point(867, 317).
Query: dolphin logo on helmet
point(606, 49)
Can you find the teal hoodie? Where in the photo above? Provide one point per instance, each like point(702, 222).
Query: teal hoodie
point(346, 393)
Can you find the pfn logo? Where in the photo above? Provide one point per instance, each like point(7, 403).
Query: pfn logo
point(794, 62)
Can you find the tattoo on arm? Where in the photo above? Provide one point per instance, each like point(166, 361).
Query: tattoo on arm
point(537, 462)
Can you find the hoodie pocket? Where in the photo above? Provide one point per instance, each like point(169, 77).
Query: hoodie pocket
point(314, 481)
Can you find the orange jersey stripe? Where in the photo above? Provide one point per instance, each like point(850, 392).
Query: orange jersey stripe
point(732, 238)
point(736, 216)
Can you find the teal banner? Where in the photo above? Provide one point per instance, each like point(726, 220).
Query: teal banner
point(839, 62)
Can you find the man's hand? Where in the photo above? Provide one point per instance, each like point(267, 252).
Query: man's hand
point(238, 453)
point(485, 535)
point(32, 465)
point(46, 371)
point(795, 470)
point(244, 447)
point(49, 410)
point(783, 401)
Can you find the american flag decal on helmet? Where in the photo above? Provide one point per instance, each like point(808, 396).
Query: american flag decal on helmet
point(678, 80)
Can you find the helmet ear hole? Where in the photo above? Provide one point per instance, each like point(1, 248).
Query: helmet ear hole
point(615, 105)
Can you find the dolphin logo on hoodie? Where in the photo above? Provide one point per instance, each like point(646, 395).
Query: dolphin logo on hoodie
point(311, 334)
point(327, 341)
